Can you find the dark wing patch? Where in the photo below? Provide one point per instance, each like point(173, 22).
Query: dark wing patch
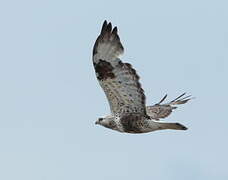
point(133, 123)
point(104, 70)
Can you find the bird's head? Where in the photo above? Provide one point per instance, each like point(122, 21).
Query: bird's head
point(99, 121)
point(106, 122)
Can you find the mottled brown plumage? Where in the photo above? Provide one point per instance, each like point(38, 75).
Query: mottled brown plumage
point(123, 90)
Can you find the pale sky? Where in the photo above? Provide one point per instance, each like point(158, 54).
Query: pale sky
point(50, 98)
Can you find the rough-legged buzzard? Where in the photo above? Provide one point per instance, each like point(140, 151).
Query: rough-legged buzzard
point(125, 95)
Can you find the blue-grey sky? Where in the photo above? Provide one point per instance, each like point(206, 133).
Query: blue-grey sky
point(50, 99)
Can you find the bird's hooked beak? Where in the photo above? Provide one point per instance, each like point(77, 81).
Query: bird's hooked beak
point(99, 120)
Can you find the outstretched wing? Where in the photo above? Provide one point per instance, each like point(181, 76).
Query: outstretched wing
point(159, 110)
point(118, 80)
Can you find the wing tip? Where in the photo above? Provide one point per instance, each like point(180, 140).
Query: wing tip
point(106, 27)
point(115, 30)
point(108, 34)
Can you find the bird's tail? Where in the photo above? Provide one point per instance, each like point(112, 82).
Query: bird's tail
point(174, 126)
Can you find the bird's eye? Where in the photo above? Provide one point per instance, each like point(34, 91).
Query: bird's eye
point(100, 119)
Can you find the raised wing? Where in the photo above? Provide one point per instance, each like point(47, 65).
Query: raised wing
point(118, 80)
point(159, 110)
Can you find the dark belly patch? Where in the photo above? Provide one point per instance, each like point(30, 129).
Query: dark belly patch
point(131, 123)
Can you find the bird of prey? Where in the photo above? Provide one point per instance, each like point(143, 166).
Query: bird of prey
point(120, 82)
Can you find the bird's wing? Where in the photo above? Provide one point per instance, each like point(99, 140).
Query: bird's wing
point(118, 80)
point(159, 110)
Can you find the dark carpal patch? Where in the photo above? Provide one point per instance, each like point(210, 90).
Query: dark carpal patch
point(104, 70)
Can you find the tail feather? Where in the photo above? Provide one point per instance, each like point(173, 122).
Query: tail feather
point(174, 126)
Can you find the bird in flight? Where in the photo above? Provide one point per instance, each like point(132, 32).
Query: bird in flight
point(125, 95)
